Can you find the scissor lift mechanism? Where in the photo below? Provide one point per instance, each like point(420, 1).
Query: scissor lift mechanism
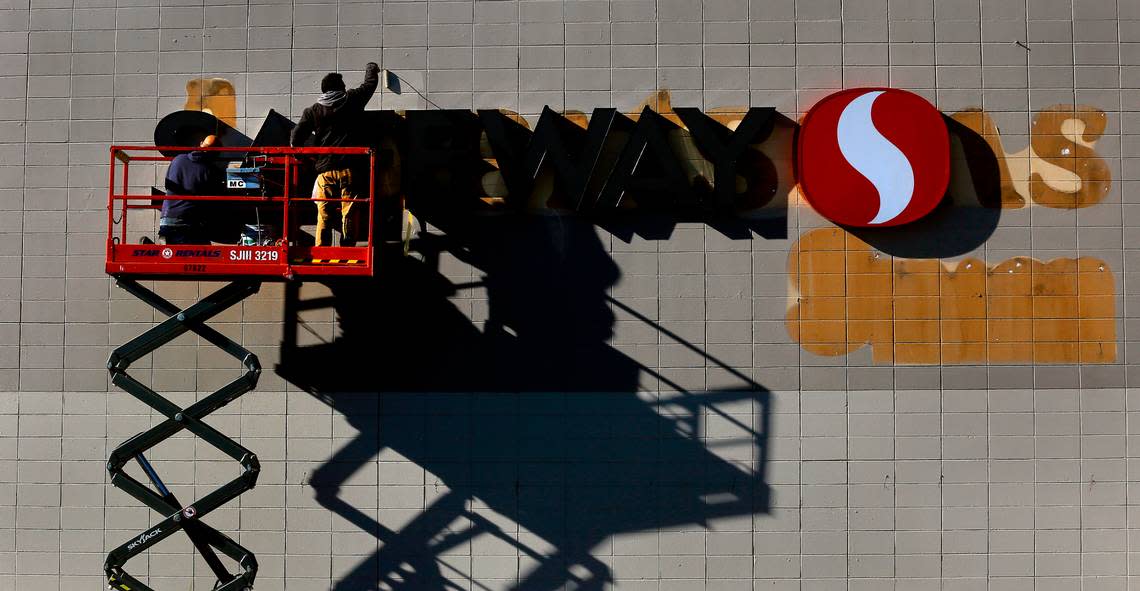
point(246, 267)
point(178, 517)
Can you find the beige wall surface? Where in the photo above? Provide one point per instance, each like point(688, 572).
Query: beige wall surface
point(564, 404)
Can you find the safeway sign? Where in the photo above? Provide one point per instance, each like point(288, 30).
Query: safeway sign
point(873, 157)
point(864, 157)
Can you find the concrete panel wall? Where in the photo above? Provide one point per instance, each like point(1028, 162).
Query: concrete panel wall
point(692, 433)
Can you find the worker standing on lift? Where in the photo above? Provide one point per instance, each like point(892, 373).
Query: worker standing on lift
point(185, 221)
point(336, 121)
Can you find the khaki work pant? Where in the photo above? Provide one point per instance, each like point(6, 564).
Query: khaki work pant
point(335, 184)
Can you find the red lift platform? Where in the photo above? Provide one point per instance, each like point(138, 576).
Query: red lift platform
point(277, 199)
point(268, 189)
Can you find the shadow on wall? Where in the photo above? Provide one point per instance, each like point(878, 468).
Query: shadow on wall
point(967, 215)
point(535, 415)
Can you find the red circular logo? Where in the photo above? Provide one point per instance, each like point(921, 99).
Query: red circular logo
point(873, 157)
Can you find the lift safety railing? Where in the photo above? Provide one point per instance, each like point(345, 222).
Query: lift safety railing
point(280, 201)
point(278, 173)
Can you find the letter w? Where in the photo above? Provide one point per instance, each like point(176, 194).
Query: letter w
point(572, 154)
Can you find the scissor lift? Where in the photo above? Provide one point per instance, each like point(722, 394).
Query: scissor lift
point(279, 173)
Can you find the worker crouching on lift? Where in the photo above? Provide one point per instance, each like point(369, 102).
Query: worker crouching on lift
point(186, 221)
point(336, 120)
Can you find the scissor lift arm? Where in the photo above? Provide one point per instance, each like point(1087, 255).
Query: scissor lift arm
point(207, 540)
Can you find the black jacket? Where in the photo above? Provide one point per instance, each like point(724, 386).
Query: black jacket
point(194, 173)
point(339, 125)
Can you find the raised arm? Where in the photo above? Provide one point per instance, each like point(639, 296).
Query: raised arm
point(363, 93)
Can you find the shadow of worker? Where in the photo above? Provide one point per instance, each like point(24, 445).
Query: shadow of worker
point(538, 434)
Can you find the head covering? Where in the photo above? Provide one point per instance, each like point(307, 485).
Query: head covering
point(332, 81)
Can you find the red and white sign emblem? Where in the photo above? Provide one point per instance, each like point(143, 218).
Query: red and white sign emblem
point(873, 157)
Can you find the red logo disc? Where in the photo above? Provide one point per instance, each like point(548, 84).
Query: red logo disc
point(873, 157)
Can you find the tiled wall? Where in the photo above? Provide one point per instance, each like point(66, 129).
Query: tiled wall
point(722, 454)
